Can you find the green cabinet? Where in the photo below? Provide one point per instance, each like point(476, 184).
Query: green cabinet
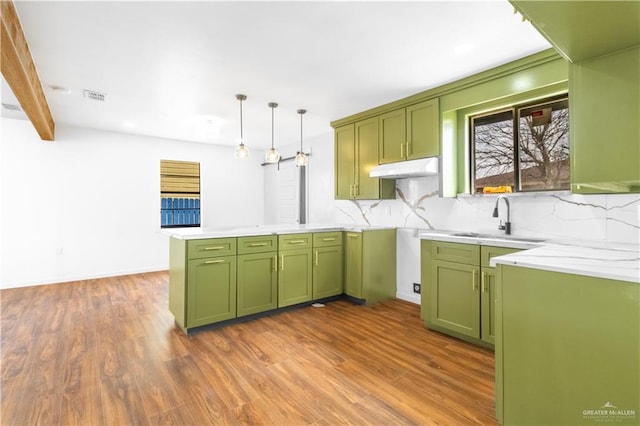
point(410, 133)
point(257, 275)
point(295, 275)
point(356, 153)
point(327, 264)
point(202, 281)
point(567, 349)
point(458, 297)
point(604, 96)
point(370, 265)
point(211, 291)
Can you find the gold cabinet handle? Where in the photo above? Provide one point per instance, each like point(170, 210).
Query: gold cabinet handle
point(329, 239)
point(474, 279)
point(297, 242)
point(408, 148)
point(257, 244)
point(483, 282)
point(214, 248)
point(282, 262)
point(402, 150)
point(316, 262)
point(214, 261)
point(353, 235)
point(275, 262)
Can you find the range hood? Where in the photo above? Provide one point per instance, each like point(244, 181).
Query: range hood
point(407, 169)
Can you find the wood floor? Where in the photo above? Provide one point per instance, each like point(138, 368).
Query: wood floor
point(106, 352)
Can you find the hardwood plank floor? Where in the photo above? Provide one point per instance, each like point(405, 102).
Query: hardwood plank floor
point(107, 351)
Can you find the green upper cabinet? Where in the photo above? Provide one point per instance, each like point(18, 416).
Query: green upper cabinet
point(392, 139)
point(582, 30)
point(409, 133)
point(423, 130)
point(356, 153)
point(604, 96)
point(345, 161)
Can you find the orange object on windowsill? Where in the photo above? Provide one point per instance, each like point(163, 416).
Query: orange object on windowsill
point(496, 189)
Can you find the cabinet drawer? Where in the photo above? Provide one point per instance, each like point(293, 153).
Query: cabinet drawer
point(294, 241)
point(456, 252)
point(261, 244)
point(198, 249)
point(326, 239)
point(488, 252)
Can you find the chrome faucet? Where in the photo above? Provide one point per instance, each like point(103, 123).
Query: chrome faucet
point(507, 225)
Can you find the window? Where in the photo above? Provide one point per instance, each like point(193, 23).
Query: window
point(522, 148)
point(179, 194)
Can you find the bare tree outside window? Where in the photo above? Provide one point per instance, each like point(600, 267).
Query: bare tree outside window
point(530, 153)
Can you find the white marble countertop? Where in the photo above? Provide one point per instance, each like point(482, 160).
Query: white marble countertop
point(246, 231)
point(590, 258)
point(621, 263)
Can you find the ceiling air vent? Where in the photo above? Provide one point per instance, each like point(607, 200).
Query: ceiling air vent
point(94, 96)
point(11, 107)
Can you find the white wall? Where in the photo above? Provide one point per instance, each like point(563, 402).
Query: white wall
point(87, 205)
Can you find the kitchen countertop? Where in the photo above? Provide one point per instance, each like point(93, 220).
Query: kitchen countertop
point(603, 262)
point(247, 231)
point(590, 258)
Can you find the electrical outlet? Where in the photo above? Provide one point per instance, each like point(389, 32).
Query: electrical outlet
point(416, 288)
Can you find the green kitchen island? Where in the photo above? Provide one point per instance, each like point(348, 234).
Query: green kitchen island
point(568, 336)
point(217, 276)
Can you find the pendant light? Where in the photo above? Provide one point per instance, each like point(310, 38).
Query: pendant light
point(272, 155)
point(241, 151)
point(301, 159)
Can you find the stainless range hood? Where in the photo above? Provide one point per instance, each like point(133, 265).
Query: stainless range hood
point(407, 169)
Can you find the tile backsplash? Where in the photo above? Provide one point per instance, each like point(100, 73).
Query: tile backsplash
point(557, 215)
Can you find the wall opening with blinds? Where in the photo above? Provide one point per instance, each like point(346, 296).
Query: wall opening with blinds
point(179, 194)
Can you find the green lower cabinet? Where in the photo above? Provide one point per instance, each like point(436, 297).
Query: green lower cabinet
point(370, 265)
point(257, 283)
point(295, 277)
point(459, 289)
point(211, 290)
point(567, 349)
point(353, 264)
point(454, 297)
point(488, 305)
point(327, 272)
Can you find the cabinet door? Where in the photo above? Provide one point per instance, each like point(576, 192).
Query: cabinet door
point(295, 277)
point(488, 305)
point(423, 129)
point(392, 136)
point(455, 297)
point(345, 160)
point(211, 290)
point(367, 188)
point(257, 283)
point(353, 265)
point(327, 271)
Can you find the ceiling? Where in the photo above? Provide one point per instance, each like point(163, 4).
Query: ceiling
point(172, 69)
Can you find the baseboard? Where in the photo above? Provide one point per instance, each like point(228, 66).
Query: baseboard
point(409, 297)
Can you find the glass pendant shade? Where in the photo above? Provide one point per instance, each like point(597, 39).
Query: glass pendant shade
point(241, 152)
point(301, 159)
point(272, 156)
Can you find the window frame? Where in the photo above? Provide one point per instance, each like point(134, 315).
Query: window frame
point(515, 109)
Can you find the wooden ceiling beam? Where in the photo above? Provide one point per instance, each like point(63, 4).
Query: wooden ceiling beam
point(20, 72)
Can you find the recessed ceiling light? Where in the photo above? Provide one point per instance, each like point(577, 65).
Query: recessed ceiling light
point(60, 89)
